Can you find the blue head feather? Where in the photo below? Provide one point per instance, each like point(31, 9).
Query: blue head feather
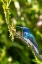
point(25, 29)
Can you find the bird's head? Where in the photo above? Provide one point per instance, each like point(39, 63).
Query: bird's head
point(25, 29)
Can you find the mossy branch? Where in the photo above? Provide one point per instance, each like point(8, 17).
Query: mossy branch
point(6, 10)
point(7, 17)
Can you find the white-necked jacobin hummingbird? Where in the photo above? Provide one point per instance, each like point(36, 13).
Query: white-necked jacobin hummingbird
point(27, 35)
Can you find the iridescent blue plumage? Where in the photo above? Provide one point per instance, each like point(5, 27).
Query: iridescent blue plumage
point(27, 35)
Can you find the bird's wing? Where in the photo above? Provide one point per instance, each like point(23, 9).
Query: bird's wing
point(32, 39)
point(32, 45)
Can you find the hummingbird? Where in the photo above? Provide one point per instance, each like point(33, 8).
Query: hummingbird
point(29, 38)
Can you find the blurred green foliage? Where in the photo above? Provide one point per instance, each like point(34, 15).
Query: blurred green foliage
point(23, 13)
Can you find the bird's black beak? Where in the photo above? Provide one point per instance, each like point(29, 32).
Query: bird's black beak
point(19, 27)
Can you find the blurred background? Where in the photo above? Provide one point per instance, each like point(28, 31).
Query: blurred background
point(23, 13)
